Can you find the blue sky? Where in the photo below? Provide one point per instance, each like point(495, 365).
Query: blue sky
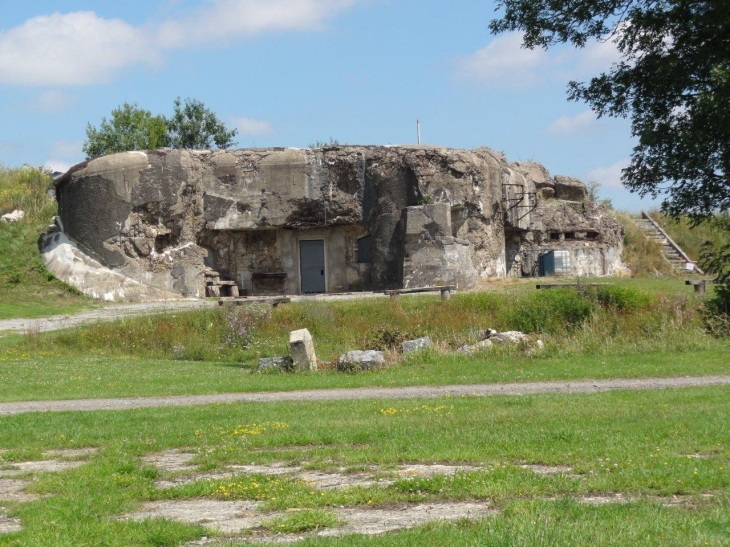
point(292, 72)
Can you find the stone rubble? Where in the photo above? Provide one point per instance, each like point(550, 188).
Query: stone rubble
point(284, 364)
point(410, 346)
point(15, 216)
point(362, 360)
point(479, 346)
point(509, 337)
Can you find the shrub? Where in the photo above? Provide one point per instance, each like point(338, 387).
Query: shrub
point(716, 260)
point(618, 297)
point(551, 311)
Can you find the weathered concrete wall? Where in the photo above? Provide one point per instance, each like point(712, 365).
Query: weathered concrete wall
point(432, 256)
point(593, 238)
point(164, 218)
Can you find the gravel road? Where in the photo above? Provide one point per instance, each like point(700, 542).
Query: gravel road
point(482, 390)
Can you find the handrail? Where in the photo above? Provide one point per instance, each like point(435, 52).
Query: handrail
point(672, 242)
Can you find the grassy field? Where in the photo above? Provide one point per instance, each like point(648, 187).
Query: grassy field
point(650, 447)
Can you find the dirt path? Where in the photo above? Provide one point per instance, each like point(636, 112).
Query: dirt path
point(120, 311)
point(107, 313)
point(482, 390)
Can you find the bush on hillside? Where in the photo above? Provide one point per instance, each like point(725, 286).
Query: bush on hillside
point(27, 189)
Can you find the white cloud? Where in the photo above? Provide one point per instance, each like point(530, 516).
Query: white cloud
point(51, 101)
point(504, 63)
point(249, 126)
point(83, 48)
point(572, 124)
point(73, 49)
point(597, 56)
point(608, 177)
point(226, 19)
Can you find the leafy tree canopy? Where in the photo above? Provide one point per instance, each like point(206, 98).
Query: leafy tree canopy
point(191, 126)
point(673, 82)
point(130, 128)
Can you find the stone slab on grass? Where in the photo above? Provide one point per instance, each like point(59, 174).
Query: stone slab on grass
point(9, 525)
point(363, 360)
point(232, 517)
point(267, 364)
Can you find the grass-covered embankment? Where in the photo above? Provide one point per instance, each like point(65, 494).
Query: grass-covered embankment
point(27, 289)
point(690, 237)
point(635, 328)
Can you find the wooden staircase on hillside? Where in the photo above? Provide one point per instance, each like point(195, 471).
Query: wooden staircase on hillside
point(671, 252)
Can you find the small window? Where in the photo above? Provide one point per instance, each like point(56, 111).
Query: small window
point(592, 235)
point(554, 236)
point(569, 235)
point(365, 249)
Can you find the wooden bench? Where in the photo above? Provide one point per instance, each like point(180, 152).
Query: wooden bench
point(275, 301)
point(445, 291)
point(699, 284)
point(571, 285)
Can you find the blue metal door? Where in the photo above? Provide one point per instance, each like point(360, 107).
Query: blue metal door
point(311, 263)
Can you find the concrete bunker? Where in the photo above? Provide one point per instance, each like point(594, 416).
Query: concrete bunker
point(171, 223)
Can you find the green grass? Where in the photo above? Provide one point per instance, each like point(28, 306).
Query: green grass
point(307, 520)
point(565, 523)
point(635, 328)
point(640, 444)
point(24, 378)
point(27, 289)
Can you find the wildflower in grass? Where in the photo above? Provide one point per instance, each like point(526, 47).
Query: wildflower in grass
point(254, 429)
point(424, 409)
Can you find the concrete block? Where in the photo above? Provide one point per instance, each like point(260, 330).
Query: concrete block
point(569, 189)
point(302, 350)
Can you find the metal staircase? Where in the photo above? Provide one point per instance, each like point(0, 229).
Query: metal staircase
point(671, 252)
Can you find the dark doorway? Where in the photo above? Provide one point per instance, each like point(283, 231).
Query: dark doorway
point(311, 263)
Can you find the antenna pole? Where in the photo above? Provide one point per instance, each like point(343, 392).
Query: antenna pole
point(418, 130)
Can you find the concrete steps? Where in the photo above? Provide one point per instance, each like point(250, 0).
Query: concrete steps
point(671, 252)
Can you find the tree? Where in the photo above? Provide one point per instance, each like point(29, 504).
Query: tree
point(130, 128)
point(673, 81)
point(592, 187)
point(193, 126)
